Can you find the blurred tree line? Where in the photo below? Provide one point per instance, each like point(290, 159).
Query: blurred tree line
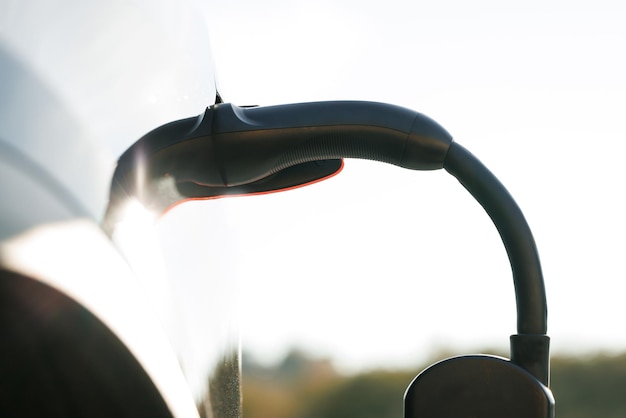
point(301, 386)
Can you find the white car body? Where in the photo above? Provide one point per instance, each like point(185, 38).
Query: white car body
point(81, 81)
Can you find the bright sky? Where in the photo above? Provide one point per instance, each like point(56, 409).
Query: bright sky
point(381, 266)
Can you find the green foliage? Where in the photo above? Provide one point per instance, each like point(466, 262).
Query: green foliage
point(590, 387)
point(301, 387)
point(373, 395)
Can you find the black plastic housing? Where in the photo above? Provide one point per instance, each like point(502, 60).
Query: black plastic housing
point(235, 150)
point(477, 386)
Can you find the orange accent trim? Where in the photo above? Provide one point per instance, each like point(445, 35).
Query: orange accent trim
point(298, 186)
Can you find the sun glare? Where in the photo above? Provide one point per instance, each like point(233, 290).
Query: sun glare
point(136, 237)
point(136, 216)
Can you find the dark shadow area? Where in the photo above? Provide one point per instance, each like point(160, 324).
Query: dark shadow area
point(58, 360)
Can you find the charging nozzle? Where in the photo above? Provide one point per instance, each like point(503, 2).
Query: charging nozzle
point(232, 150)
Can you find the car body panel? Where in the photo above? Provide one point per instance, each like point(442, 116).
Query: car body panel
point(81, 81)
